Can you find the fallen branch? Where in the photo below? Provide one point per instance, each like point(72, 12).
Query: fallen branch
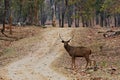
point(111, 33)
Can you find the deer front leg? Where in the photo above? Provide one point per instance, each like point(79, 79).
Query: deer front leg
point(73, 62)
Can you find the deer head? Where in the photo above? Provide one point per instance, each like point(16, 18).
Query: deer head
point(65, 42)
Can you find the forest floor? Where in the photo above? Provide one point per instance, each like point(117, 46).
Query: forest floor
point(34, 53)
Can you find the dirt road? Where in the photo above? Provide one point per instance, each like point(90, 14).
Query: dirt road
point(36, 66)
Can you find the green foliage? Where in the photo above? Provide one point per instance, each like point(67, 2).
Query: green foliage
point(1, 7)
point(8, 51)
point(72, 2)
point(23, 7)
point(86, 8)
point(111, 6)
point(106, 5)
point(104, 63)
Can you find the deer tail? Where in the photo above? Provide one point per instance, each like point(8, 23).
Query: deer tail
point(90, 51)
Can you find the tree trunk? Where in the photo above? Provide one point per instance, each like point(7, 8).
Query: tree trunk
point(63, 12)
point(10, 23)
point(116, 20)
point(36, 12)
point(83, 21)
point(119, 20)
point(59, 15)
point(54, 16)
point(76, 22)
point(43, 16)
point(63, 15)
point(69, 14)
point(76, 15)
point(6, 3)
point(101, 19)
point(3, 29)
point(97, 18)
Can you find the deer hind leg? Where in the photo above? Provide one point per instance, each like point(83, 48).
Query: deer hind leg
point(73, 62)
point(88, 61)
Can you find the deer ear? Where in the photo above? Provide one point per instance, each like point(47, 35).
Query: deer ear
point(68, 41)
point(62, 41)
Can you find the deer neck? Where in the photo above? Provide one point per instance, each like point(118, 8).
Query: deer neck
point(67, 47)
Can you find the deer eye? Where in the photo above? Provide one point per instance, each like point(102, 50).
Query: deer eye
point(62, 41)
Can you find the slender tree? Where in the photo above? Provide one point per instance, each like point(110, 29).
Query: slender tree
point(6, 3)
point(36, 10)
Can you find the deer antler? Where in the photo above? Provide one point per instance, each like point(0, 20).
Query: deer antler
point(71, 38)
point(60, 37)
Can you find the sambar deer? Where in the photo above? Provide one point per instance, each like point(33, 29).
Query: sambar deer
point(77, 51)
